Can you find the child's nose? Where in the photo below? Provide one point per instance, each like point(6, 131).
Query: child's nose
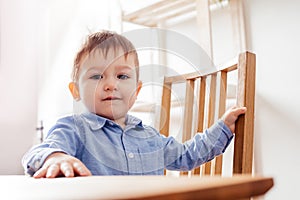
point(110, 84)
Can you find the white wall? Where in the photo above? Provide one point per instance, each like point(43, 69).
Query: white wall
point(18, 82)
point(273, 28)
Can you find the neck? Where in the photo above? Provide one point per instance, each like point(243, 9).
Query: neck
point(120, 122)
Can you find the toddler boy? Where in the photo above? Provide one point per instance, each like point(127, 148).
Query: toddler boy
point(106, 140)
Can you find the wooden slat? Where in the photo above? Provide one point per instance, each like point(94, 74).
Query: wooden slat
point(177, 8)
point(201, 107)
point(165, 109)
point(243, 146)
point(160, 12)
point(222, 108)
point(211, 114)
point(182, 78)
point(177, 5)
point(145, 11)
point(176, 14)
point(228, 67)
point(188, 110)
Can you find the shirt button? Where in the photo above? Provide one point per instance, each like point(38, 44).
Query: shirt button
point(130, 155)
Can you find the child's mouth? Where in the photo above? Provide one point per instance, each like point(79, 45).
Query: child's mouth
point(111, 98)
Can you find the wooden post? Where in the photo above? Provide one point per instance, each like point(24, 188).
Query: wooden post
point(244, 130)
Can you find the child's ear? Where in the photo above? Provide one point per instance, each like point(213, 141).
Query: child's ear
point(139, 87)
point(74, 91)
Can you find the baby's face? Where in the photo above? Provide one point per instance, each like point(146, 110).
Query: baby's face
point(108, 86)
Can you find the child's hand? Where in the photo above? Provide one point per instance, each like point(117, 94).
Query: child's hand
point(58, 164)
point(231, 116)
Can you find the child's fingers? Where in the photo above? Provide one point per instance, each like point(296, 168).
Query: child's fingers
point(81, 169)
point(66, 165)
point(67, 169)
point(53, 171)
point(239, 110)
point(40, 173)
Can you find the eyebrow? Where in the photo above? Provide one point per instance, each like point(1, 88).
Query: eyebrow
point(119, 67)
point(92, 70)
point(124, 67)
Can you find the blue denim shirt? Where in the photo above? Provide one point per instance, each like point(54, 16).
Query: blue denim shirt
point(107, 149)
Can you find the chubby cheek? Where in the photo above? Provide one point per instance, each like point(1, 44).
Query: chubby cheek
point(89, 95)
point(131, 96)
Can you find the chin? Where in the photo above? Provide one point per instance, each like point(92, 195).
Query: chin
point(108, 116)
point(111, 115)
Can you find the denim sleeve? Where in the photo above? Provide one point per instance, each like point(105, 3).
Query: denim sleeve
point(202, 148)
point(60, 138)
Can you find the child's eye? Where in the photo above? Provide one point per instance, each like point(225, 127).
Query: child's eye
point(123, 76)
point(96, 77)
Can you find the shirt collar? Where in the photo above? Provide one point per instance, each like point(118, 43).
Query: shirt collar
point(96, 122)
point(133, 121)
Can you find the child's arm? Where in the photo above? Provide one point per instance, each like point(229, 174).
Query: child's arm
point(62, 164)
point(57, 151)
point(202, 147)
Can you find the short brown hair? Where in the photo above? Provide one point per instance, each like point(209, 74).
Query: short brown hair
point(104, 41)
